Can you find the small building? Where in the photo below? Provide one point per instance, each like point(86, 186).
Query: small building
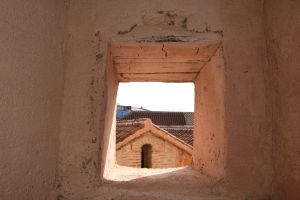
point(123, 111)
point(141, 143)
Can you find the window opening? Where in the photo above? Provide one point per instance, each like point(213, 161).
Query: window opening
point(154, 124)
point(169, 62)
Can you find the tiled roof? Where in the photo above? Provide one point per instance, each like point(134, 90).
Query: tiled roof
point(189, 118)
point(163, 118)
point(126, 128)
point(184, 133)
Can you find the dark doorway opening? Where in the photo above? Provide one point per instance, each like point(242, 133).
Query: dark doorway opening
point(146, 158)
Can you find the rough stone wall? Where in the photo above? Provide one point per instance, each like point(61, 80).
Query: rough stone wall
point(90, 26)
point(31, 88)
point(282, 33)
point(164, 153)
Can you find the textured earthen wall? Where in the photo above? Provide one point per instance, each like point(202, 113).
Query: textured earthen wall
point(90, 26)
point(210, 139)
point(282, 33)
point(164, 154)
point(31, 88)
point(261, 97)
point(107, 150)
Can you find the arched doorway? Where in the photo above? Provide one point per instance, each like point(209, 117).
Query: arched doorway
point(146, 157)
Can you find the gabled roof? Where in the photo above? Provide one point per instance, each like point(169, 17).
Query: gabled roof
point(163, 118)
point(128, 127)
point(129, 130)
point(184, 133)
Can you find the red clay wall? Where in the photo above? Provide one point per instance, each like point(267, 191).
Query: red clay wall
point(31, 88)
point(282, 31)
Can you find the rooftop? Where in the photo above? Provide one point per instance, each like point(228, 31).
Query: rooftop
point(164, 118)
point(126, 128)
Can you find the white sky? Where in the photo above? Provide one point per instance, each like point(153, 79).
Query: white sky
point(157, 96)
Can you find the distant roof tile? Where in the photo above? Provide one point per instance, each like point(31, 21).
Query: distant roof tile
point(163, 118)
point(126, 128)
point(183, 133)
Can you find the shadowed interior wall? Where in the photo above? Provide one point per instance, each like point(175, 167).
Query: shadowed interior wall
point(261, 98)
point(282, 31)
point(210, 149)
point(108, 141)
point(91, 24)
point(31, 88)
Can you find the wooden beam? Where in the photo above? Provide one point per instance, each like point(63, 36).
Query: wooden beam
point(198, 49)
point(157, 60)
point(162, 67)
point(201, 50)
point(162, 77)
point(137, 50)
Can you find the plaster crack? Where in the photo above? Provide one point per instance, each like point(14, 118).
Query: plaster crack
point(163, 49)
point(125, 32)
point(197, 51)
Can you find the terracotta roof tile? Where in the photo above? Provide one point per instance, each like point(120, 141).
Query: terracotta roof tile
point(163, 118)
point(184, 133)
point(126, 128)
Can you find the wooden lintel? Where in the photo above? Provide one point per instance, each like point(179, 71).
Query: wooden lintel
point(161, 61)
point(157, 60)
point(163, 67)
point(198, 50)
point(162, 77)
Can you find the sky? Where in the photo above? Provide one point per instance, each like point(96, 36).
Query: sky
point(157, 96)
